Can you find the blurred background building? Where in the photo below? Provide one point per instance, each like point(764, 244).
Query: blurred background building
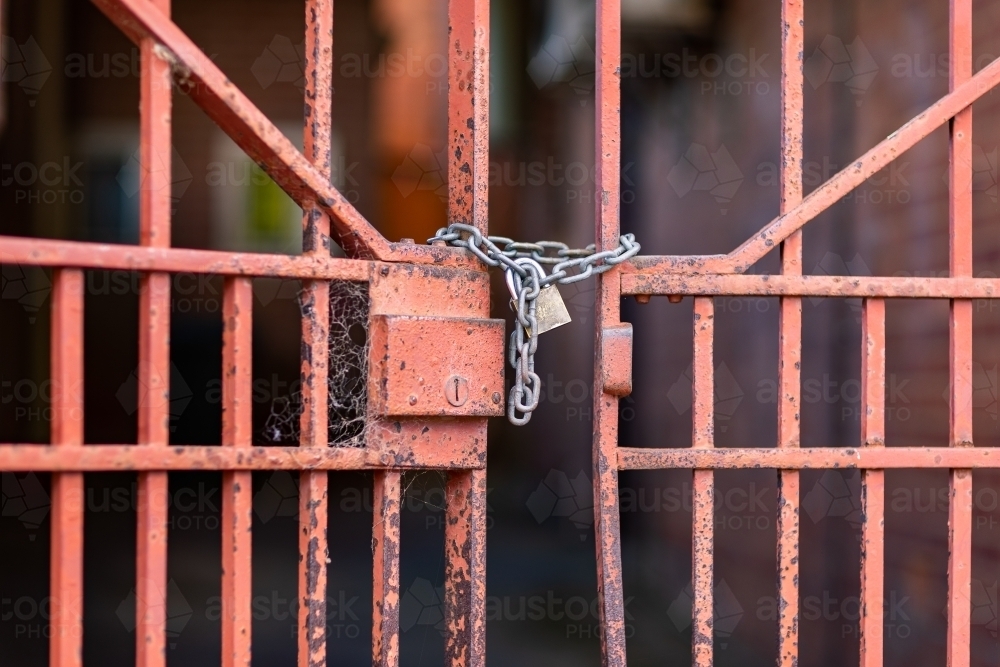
point(700, 121)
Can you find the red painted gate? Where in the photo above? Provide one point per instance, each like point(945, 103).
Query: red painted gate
point(427, 409)
point(704, 277)
point(418, 296)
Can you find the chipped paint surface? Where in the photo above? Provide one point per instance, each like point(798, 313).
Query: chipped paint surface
point(436, 366)
point(465, 569)
point(468, 112)
point(237, 486)
point(315, 357)
point(607, 522)
point(385, 553)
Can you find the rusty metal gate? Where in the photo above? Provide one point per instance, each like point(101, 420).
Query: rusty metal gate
point(704, 277)
point(427, 403)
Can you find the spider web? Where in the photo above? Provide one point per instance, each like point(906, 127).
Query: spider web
point(347, 388)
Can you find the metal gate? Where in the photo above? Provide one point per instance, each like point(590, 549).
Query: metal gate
point(705, 277)
point(428, 397)
point(427, 408)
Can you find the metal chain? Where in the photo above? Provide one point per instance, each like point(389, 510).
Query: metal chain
point(569, 266)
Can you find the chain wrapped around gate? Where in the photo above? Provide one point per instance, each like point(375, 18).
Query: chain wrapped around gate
point(534, 298)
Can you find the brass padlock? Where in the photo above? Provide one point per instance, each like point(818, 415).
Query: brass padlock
point(550, 310)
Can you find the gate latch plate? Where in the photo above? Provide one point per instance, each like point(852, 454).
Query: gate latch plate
point(436, 366)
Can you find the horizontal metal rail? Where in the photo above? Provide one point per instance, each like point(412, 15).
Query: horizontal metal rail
point(632, 458)
point(104, 256)
point(122, 458)
point(730, 285)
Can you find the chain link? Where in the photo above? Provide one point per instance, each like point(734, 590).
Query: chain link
point(569, 265)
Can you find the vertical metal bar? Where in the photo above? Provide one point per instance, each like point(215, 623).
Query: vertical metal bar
point(465, 569)
point(468, 203)
point(313, 556)
point(703, 488)
point(316, 225)
point(872, 483)
point(790, 333)
point(385, 588)
point(154, 353)
point(313, 485)
point(468, 112)
point(607, 519)
point(237, 431)
point(960, 352)
point(66, 562)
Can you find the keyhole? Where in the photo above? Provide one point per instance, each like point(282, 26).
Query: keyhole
point(456, 390)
